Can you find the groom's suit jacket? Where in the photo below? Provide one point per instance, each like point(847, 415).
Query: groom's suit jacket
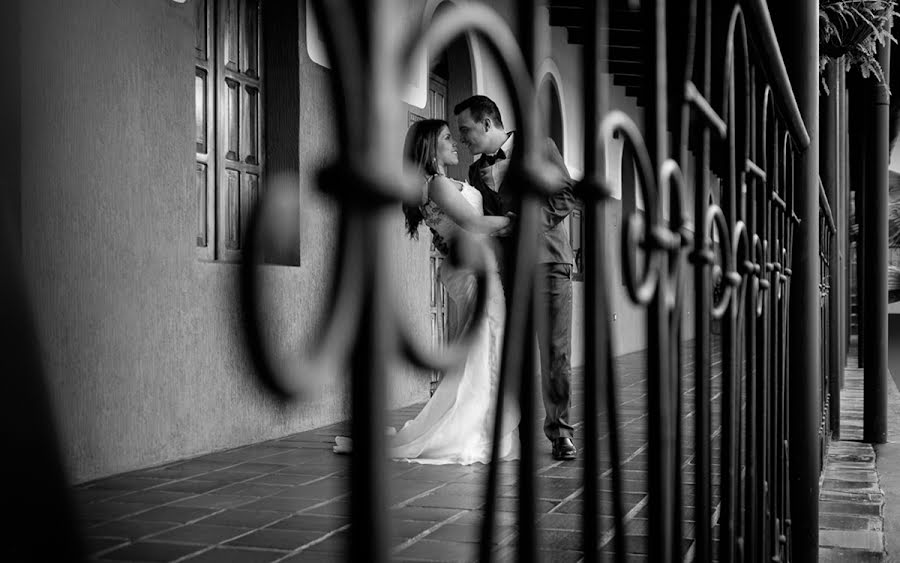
point(500, 198)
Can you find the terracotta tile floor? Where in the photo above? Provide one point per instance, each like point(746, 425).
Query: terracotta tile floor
point(287, 499)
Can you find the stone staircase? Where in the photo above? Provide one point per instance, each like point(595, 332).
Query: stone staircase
point(625, 45)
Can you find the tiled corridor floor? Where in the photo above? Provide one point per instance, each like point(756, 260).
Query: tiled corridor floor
point(851, 499)
point(287, 499)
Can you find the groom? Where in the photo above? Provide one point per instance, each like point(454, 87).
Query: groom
point(481, 130)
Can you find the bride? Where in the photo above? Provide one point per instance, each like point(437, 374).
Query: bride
point(456, 425)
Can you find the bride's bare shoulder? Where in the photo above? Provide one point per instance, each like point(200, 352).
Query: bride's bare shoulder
point(439, 182)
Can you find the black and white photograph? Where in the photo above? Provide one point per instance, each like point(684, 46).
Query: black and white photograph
point(450, 280)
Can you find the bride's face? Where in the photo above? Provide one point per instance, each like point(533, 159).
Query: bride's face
point(446, 148)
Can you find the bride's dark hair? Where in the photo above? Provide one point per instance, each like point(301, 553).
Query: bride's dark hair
point(420, 150)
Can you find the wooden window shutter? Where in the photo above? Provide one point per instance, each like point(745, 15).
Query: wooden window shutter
point(241, 148)
point(204, 94)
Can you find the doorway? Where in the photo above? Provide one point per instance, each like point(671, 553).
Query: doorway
point(449, 82)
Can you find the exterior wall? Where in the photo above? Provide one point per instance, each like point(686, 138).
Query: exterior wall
point(140, 339)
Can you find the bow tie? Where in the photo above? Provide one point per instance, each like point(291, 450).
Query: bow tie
point(490, 160)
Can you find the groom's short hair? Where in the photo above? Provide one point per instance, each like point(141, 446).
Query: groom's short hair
point(480, 107)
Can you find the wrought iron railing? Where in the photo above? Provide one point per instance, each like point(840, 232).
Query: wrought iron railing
point(830, 395)
point(739, 122)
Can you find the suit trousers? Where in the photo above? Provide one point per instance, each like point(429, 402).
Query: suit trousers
point(554, 330)
point(554, 325)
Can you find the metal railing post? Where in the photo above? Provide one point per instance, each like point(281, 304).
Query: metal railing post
point(876, 268)
point(797, 24)
point(599, 377)
point(842, 221)
point(857, 160)
point(702, 304)
point(659, 385)
point(843, 225)
point(829, 164)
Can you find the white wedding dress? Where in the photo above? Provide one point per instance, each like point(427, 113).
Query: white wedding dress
point(456, 426)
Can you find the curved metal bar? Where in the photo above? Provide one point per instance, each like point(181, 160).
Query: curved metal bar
point(741, 241)
point(826, 208)
point(288, 378)
point(755, 170)
point(779, 201)
point(787, 169)
point(465, 253)
point(641, 291)
point(715, 218)
point(768, 156)
point(342, 46)
point(672, 184)
point(772, 64)
point(759, 250)
point(739, 129)
point(781, 221)
point(774, 209)
point(695, 98)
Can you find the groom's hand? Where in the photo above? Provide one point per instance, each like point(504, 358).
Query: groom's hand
point(508, 229)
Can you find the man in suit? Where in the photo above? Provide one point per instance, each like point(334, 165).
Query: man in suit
point(481, 130)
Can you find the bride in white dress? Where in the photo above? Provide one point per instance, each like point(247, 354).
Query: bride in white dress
point(456, 425)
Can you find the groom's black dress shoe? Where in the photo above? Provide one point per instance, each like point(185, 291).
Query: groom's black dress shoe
point(563, 449)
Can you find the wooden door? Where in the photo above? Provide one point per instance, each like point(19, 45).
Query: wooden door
point(435, 108)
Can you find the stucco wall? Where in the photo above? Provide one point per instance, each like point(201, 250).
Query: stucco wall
point(140, 339)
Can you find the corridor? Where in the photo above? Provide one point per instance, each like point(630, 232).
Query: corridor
point(287, 500)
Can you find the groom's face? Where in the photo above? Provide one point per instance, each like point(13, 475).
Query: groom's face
point(473, 134)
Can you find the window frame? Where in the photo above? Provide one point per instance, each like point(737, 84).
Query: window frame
point(235, 148)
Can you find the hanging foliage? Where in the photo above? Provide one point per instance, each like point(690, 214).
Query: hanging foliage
point(853, 29)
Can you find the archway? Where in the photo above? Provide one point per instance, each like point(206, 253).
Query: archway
point(451, 79)
point(551, 109)
point(453, 67)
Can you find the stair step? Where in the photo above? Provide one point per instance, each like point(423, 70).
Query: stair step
point(626, 68)
point(617, 37)
point(635, 92)
point(615, 5)
point(633, 80)
point(624, 53)
point(571, 16)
